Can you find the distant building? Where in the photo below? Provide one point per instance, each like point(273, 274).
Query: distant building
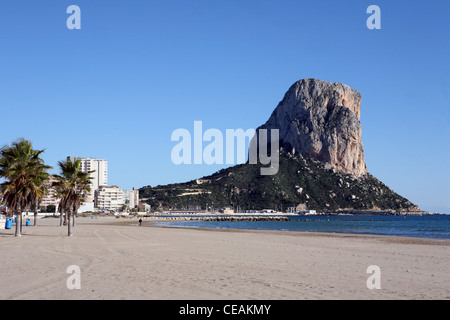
point(49, 197)
point(134, 198)
point(202, 181)
point(99, 176)
point(109, 198)
point(227, 210)
point(131, 198)
point(144, 207)
point(308, 212)
point(291, 210)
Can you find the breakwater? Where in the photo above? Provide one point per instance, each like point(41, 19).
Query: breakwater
point(217, 218)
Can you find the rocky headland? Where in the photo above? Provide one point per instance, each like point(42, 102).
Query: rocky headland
point(321, 163)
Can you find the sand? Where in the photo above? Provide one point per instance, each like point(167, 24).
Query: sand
point(121, 260)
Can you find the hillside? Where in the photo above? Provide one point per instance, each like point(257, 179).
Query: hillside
point(298, 181)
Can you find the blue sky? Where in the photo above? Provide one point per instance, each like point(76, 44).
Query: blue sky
point(138, 70)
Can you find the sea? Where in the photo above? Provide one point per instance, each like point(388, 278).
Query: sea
point(418, 226)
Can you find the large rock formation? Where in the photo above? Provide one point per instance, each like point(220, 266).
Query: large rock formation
point(320, 120)
point(321, 162)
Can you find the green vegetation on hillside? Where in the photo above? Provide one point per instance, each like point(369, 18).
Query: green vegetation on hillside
point(299, 181)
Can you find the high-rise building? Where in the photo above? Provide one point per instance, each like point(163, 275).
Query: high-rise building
point(99, 176)
point(109, 198)
point(134, 198)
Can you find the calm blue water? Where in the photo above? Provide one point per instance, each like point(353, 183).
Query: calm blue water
point(432, 226)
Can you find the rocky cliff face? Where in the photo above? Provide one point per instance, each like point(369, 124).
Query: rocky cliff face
point(320, 120)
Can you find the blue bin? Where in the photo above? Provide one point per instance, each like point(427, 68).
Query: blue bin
point(28, 222)
point(14, 221)
point(8, 223)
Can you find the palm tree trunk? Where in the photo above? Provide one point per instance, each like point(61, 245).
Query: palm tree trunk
point(73, 220)
point(35, 217)
point(69, 225)
point(60, 219)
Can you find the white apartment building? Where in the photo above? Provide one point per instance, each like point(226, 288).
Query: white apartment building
point(49, 197)
point(99, 176)
point(131, 198)
point(134, 198)
point(109, 198)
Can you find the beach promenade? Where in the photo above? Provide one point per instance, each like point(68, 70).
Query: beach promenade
point(121, 260)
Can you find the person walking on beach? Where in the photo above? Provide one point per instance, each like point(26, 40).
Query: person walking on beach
point(140, 221)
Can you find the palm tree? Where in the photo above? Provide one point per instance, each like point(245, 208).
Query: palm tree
point(40, 181)
point(25, 173)
point(73, 183)
point(60, 188)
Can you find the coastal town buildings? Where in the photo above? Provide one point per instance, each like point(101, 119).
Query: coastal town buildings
point(109, 198)
point(49, 197)
point(99, 176)
point(102, 197)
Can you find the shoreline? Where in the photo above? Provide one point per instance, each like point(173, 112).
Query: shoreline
point(386, 238)
point(170, 219)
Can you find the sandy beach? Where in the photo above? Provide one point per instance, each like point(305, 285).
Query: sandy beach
point(118, 259)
